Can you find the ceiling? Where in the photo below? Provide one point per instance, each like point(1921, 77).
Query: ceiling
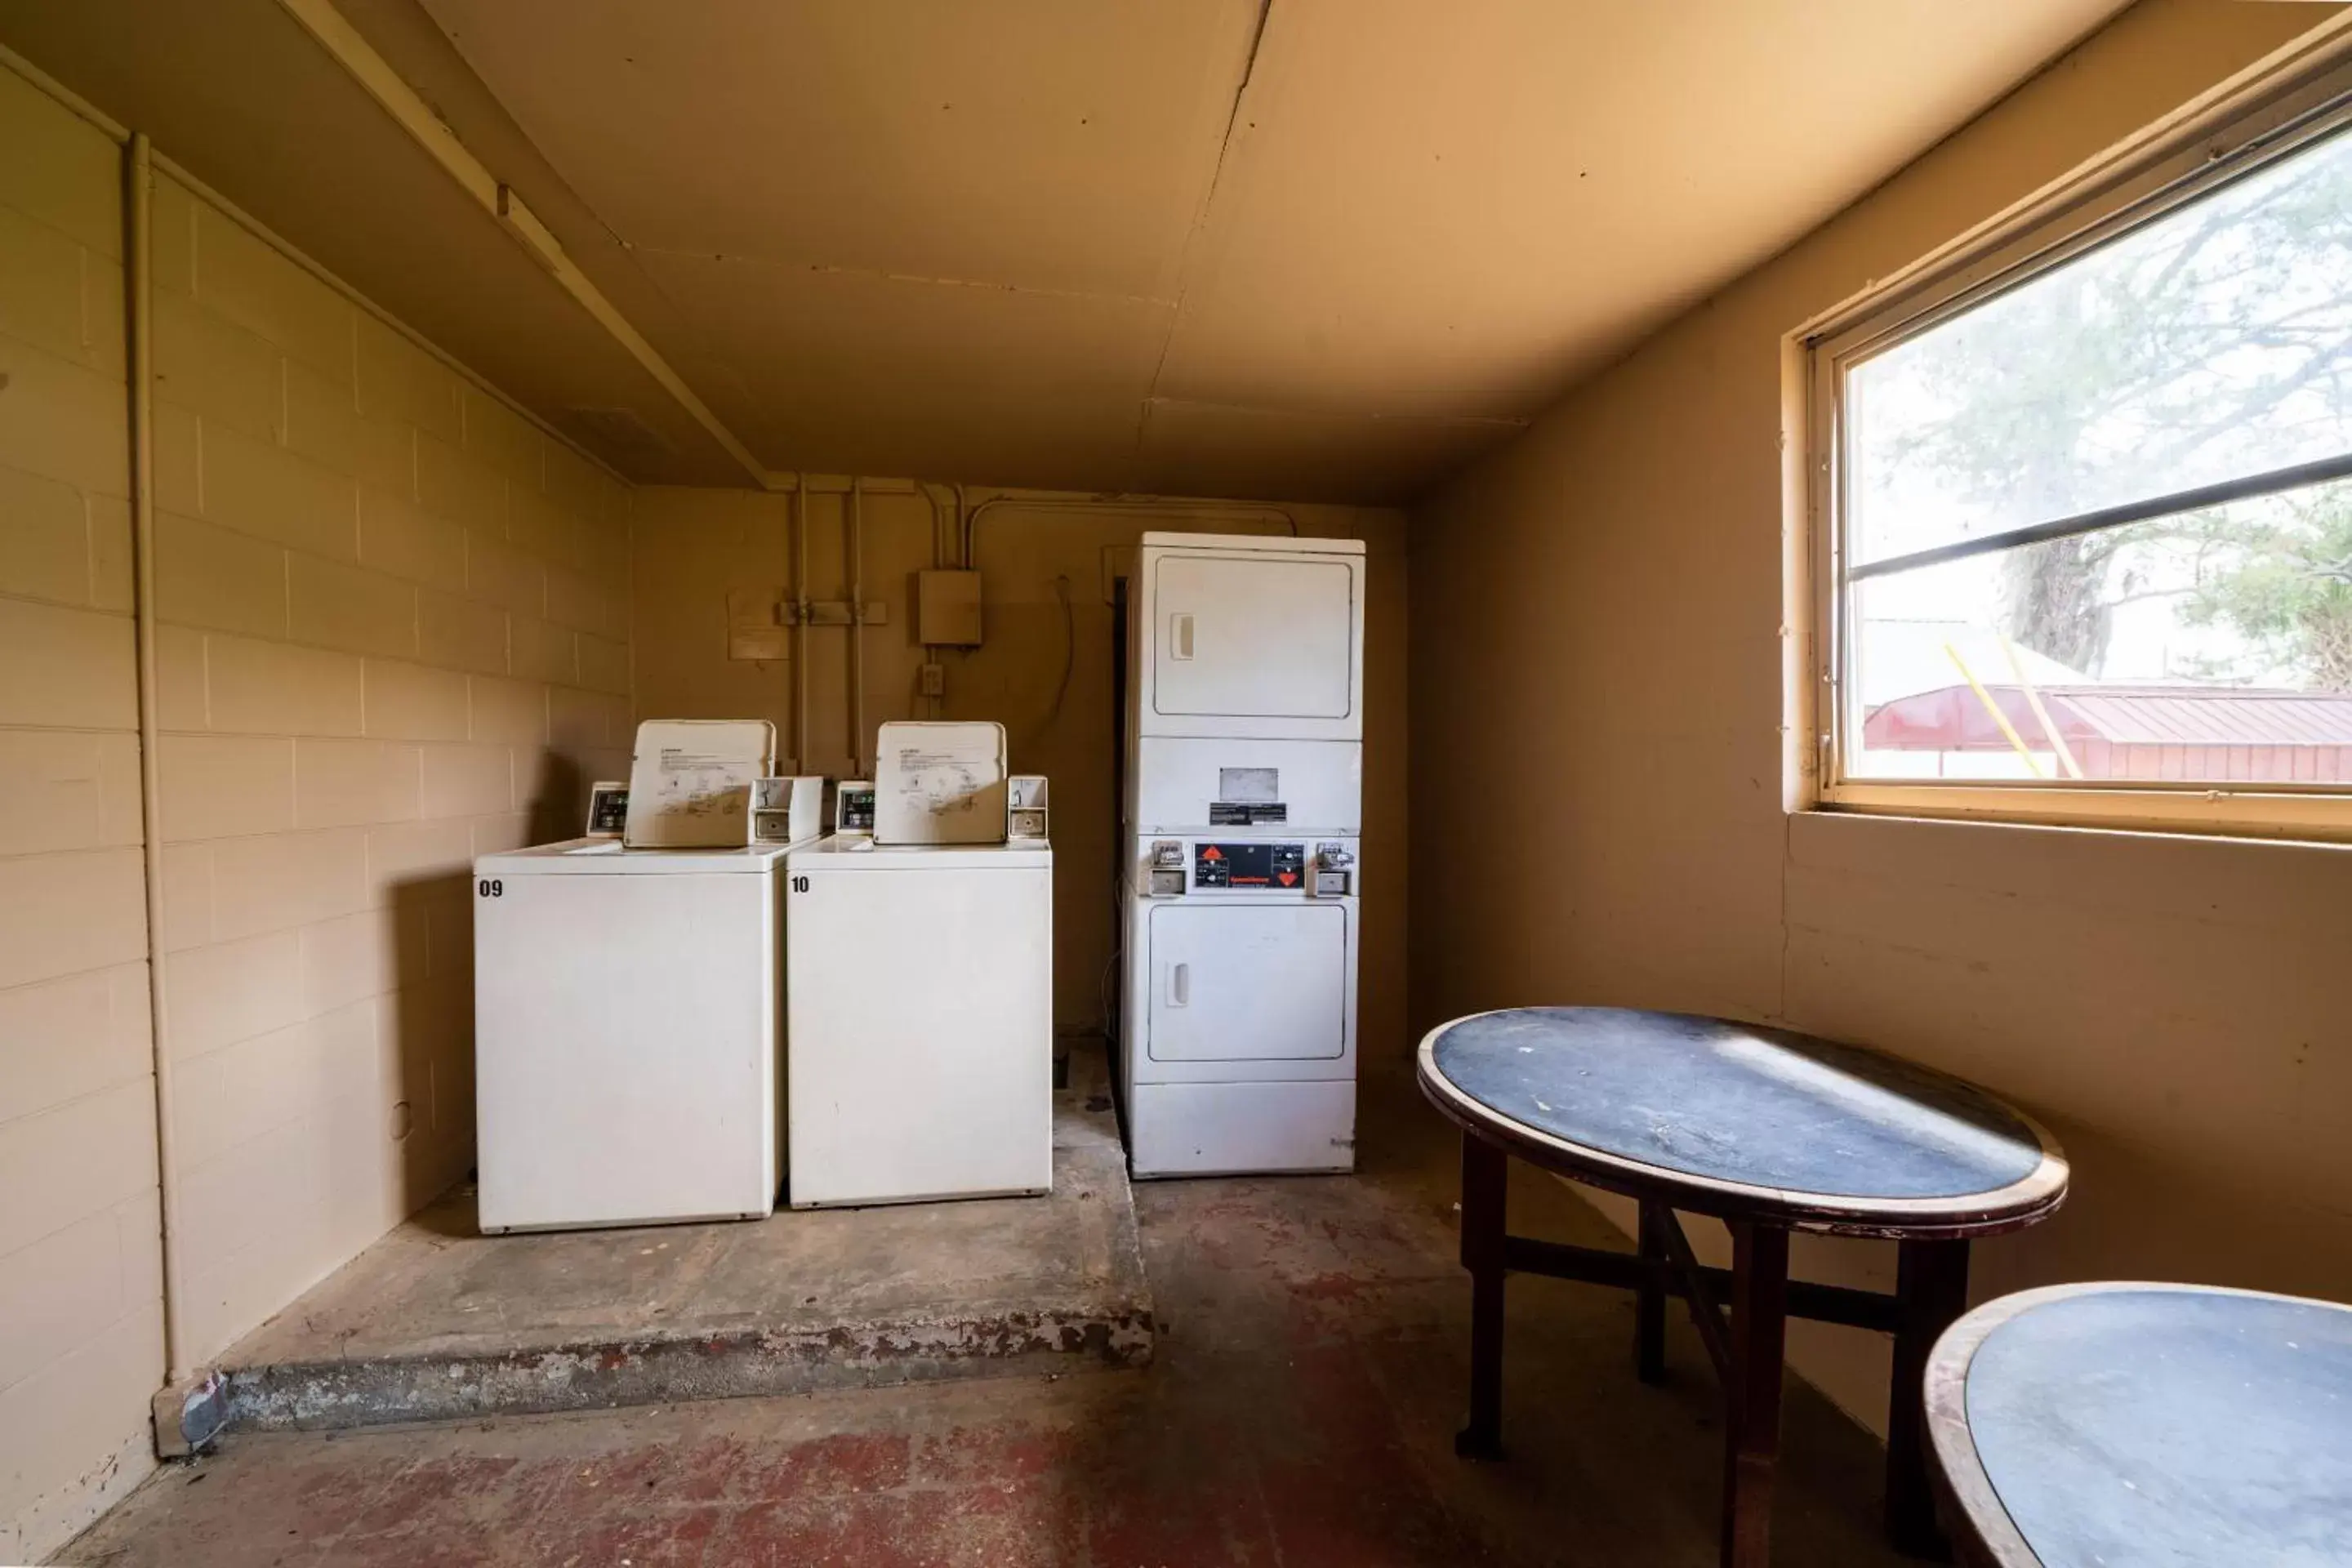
point(1314, 249)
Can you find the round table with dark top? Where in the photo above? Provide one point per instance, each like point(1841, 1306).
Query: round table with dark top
point(1769, 1132)
point(2122, 1423)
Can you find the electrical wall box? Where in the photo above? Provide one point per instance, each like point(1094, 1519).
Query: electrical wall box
point(947, 608)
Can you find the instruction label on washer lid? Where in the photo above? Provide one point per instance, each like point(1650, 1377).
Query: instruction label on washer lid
point(690, 783)
point(940, 783)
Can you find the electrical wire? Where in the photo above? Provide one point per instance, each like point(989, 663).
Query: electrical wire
point(1069, 649)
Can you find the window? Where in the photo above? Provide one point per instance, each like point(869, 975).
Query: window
point(2084, 504)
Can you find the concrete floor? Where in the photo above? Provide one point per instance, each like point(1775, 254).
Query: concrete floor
point(1301, 1412)
point(437, 1321)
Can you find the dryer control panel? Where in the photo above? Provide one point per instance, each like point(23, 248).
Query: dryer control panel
point(1172, 867)
point(1275, 866)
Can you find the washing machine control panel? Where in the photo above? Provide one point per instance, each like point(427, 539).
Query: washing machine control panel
point(1277, 868)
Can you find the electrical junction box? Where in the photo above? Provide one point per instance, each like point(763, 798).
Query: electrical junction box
point(947, 608)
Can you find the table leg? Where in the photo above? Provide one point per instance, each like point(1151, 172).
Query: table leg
point(1759, 1323)
point(1931, 1290)
point(1650, 1300)
point(1485, 1178)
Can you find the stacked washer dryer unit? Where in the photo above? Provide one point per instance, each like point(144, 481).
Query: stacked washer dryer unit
point(1243, 811)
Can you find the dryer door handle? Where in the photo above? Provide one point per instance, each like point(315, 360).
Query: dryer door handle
point(1180, 985)
point(1180, 635)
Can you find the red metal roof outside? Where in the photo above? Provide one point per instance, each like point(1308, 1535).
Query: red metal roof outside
point(2157, 733)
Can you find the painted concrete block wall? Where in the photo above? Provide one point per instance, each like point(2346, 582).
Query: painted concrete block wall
point(394, 637)
point(1598, 637)
point(394, 634)
point(695, 546)
point(81, 1294)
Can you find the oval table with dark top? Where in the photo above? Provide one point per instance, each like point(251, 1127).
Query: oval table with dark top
point(2119, 1423)
point(1769, 1132)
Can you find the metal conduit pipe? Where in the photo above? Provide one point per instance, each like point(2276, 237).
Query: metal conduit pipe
point(857, 626)
point(139, 321)
point(930, 494)
point(799, 628)
point(1118, 505)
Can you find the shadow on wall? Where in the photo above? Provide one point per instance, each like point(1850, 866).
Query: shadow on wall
point(427, 1037)
point(556, 810)
point(2127, 1210)
point(2130, 1206)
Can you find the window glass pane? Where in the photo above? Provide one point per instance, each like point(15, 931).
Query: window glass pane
point(2213, 343)
point(2213, 646)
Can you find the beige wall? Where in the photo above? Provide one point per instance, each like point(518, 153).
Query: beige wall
point(80, 1292)
point(694, 546)
point(394, 634)
point(1597, 643)
point(394, 638)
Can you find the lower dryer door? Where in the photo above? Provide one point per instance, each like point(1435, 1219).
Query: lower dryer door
point(1234, 982)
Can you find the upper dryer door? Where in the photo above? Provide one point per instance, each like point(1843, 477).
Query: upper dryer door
point(1254, 644)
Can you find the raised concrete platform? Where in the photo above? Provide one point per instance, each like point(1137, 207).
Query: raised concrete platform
point(439, 1322)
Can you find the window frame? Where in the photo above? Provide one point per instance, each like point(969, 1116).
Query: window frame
point(2267, 113)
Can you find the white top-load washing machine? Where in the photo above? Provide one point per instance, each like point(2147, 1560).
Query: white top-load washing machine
point(1244, 816)
point(627, 1034)
point(920, 987)
point(628, 999)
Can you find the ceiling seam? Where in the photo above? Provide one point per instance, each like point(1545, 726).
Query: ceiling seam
point(1233, 115)
point(830, 270)
point(1497, 421)
point(1201, 218)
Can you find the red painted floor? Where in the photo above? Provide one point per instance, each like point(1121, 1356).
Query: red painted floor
point(1300, 1413)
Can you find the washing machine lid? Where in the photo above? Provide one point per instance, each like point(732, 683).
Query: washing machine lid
point(855, 852)
point(608, 858)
